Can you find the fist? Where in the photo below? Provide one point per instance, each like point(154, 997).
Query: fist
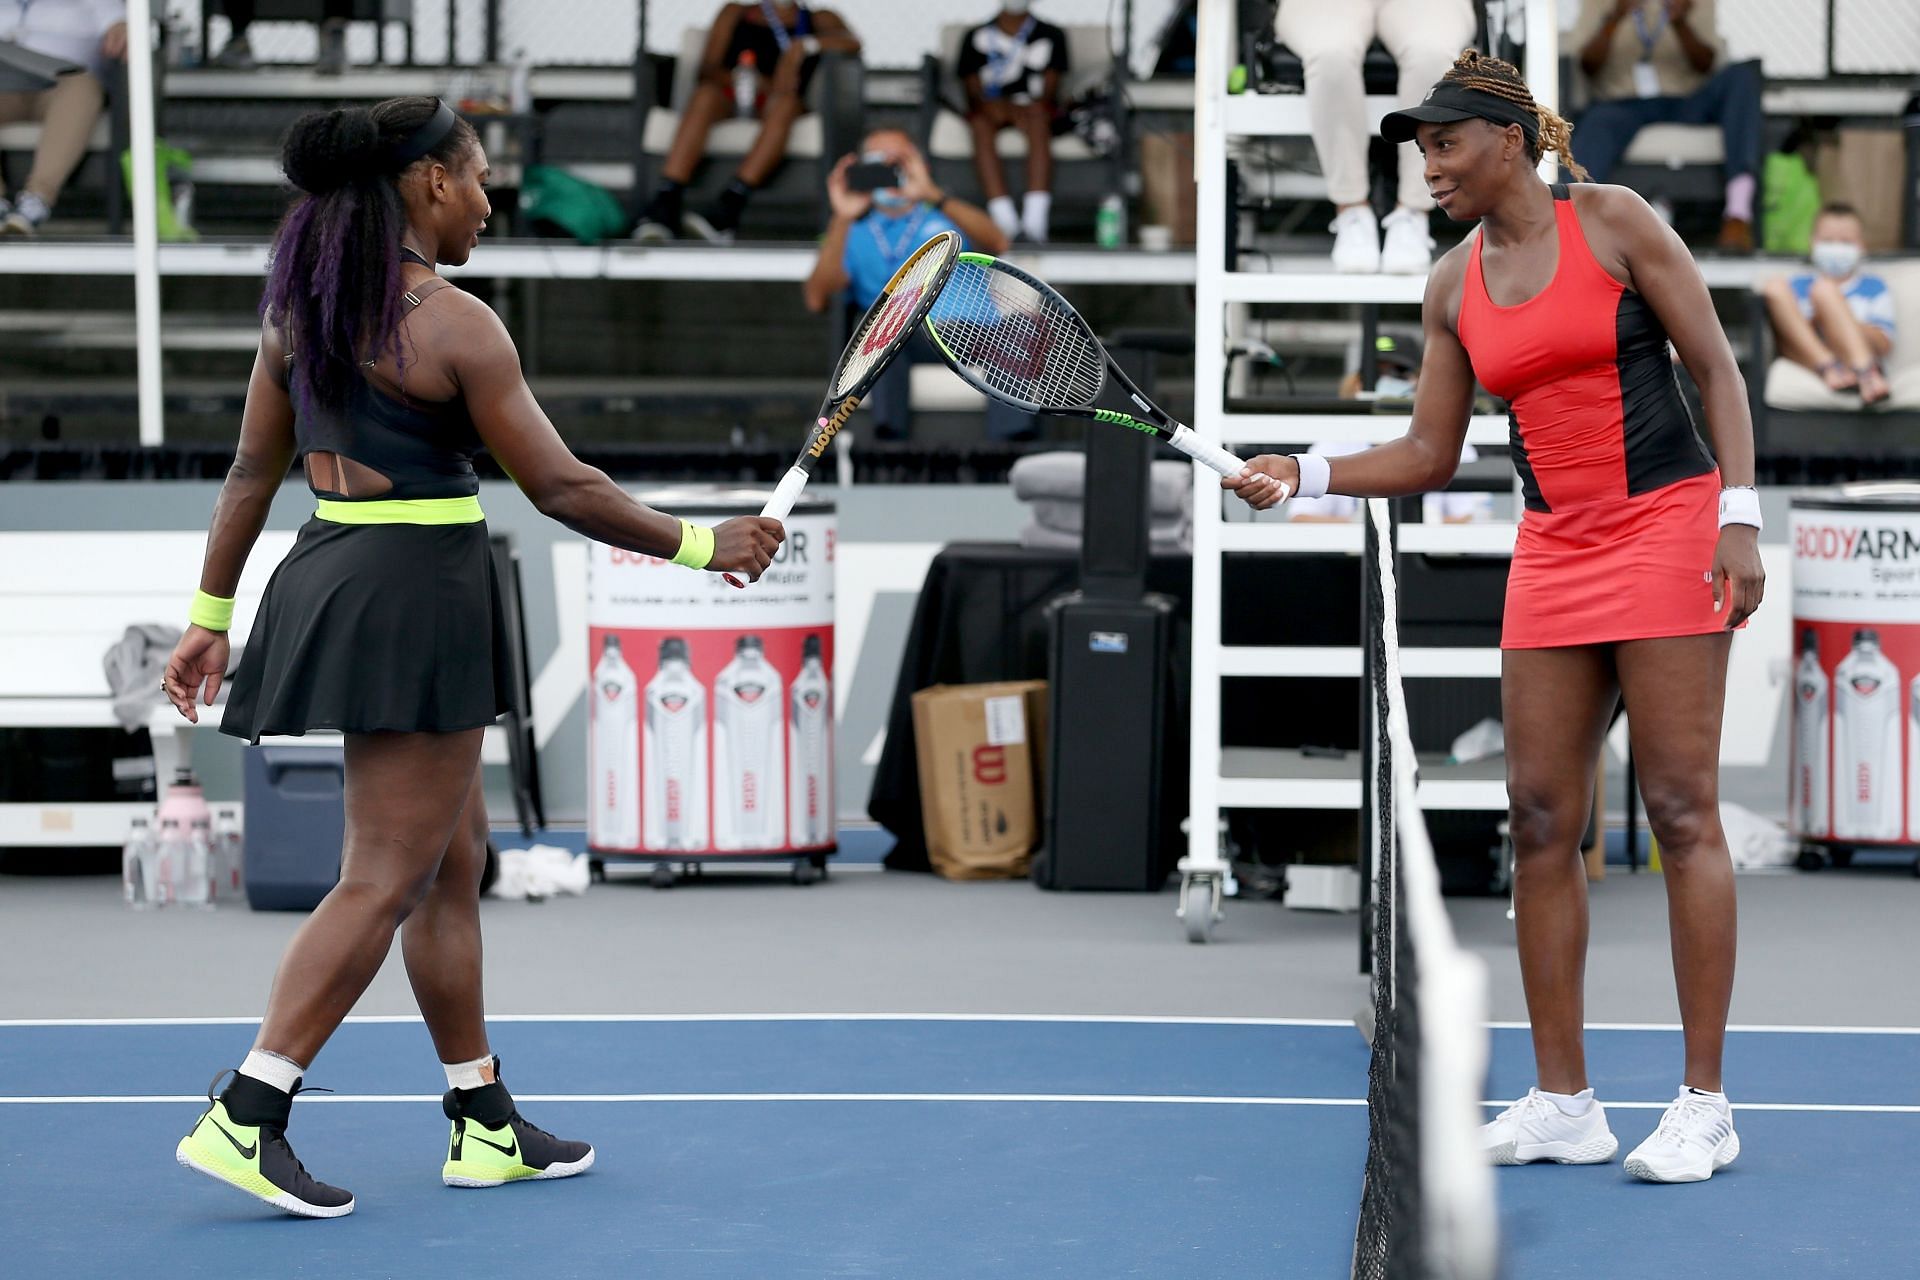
point(745, 545)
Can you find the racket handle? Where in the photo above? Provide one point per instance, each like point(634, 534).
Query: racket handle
point(1187, 441)
point(785, 495)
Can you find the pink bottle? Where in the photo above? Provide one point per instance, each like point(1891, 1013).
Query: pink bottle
point(184, 801)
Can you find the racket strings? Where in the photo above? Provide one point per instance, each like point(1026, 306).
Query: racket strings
point(1017, 339)
point(883, 324)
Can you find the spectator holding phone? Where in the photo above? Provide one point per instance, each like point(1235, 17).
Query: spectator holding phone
point(885, 205)
point(784, 42)
point(1837, 320)
point(1011, 68)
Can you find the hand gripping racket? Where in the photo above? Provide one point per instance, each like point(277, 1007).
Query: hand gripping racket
point(1013, 337)
point(877, 339)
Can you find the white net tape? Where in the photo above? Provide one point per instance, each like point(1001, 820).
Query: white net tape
point(1460, 1226)
point(886, 322)
point(1018, 340)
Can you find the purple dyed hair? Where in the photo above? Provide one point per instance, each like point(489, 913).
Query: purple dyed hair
point(333, 274)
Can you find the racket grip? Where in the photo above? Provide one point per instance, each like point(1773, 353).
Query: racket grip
point(1187, 441)
point(785, 494)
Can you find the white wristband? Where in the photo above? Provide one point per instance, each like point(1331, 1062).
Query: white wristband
point(1740, 504)
point(1315, 472)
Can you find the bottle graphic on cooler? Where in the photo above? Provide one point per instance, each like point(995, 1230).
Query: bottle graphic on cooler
point(810, 804)
point(749, 771)
point(613, 756)
point(1810, 739)
point(675, 753)
point(1866, 742)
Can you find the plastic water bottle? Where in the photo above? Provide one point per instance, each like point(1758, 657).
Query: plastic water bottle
point(136, 863)
point(1110, 222)
point(229, 857)
point(746, 85)
point(196, 871)
point(169, 855)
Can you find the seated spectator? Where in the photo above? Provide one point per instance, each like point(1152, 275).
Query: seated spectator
point(1652, 62)
point(1424, 37)
point(1397, 359)
point(237, 53)
point(1837, 319)
point(869, 237)
point(784, 42)
point(83, 32)
point(1011, 68)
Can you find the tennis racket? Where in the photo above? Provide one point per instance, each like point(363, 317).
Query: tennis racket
point(877, 339)
point(882, 331)
point(1011, 336)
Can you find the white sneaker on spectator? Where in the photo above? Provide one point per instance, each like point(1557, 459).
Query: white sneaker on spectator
point(1535, 1128)
point(1356, 241)
point(1694, 1141)
point(25, 217)
point(651, 232)
point(704, 228)
point(1408, 249)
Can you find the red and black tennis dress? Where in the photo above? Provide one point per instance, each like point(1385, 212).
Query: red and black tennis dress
point(1622, 498)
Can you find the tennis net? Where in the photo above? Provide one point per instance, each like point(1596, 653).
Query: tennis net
point(1427, 1210)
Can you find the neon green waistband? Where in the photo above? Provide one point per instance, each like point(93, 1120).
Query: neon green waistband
point(402, 511)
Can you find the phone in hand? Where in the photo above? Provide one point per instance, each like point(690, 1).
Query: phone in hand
point(871, 175)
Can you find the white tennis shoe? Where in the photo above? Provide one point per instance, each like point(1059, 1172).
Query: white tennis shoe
point(1694, 1141)
point(1536, 1129)
point(1356, 241)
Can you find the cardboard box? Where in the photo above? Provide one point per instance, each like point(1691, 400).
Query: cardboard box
point(1170, 197)
point(982, 756)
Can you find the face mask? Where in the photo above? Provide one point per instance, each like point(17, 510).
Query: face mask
point(1018, 7)
point(1836, 258)
point(889, 198)
point(1388, 387)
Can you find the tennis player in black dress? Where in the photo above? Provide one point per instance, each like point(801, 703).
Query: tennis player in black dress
point(382, 622)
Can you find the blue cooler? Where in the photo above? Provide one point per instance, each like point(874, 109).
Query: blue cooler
point(296, 823)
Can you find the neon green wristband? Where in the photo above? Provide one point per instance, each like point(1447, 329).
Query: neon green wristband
point(210, 612)
point(696, 545)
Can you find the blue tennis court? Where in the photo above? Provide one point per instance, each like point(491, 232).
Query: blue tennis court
point(918, 1147)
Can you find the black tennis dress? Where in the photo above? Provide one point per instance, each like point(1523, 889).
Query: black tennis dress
point(386, 616)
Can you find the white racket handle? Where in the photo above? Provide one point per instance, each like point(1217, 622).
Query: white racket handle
point(1188, 441)
point(785, 495)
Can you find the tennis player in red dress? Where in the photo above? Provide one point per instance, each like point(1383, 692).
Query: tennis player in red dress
point(1636, 559)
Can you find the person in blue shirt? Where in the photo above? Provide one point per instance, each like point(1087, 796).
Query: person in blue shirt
point(868, 237)
point(1837, 319)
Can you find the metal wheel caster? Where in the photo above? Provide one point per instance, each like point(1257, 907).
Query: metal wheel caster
point(661, 876)
point(1809, 859)
point(805, 873)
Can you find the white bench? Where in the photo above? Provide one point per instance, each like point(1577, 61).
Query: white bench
point(65, 599)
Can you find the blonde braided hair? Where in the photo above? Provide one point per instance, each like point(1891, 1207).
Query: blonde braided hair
point(1476, 70)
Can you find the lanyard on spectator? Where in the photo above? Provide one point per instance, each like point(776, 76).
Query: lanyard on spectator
point(781, 36)
point(1649, 39)
point(1012, 50)
point(895, 254)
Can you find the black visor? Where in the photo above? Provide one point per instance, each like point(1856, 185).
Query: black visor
point(1448, 101)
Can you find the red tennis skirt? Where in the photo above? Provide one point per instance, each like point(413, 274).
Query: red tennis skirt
point(1637, 569)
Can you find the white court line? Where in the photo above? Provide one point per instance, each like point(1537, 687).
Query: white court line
point(1072, 1018)
point(1110, 1099)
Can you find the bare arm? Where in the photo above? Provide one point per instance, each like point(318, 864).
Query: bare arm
point(829, 275)
point(1663, 272)
point(1426, 457)
point(1701, 51)
point(259, 466)
point(833, 33)
point(1599, 46)
point(481, 357)
point(974, 222)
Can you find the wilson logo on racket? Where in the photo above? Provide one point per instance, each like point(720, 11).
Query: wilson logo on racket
point(892, 320)
point(1122, 420)
point(830, 427)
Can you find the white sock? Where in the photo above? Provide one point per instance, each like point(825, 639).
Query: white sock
point(1035, 211)
point(1571, 1104)
point(1717, 1099)
point(282, 1072)
point(469, 1075)
point(1004, 215)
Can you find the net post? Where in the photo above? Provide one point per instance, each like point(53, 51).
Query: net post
point(1369, 623)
